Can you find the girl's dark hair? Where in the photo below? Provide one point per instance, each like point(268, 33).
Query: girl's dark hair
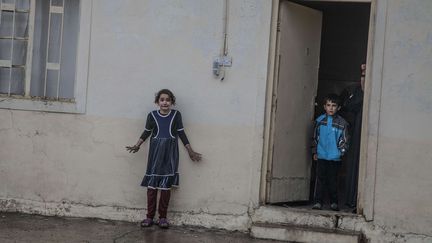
point(167, 92)
point(334, 98)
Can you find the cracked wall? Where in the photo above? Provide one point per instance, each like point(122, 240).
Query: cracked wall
point(77, 165)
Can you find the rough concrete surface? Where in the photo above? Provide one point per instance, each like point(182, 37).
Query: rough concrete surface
point(15, 227)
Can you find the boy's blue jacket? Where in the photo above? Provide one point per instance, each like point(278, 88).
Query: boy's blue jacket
point(330, 139)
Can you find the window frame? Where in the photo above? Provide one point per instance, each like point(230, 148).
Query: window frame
point(78, 104)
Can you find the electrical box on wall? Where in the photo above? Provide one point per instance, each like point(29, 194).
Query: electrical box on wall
point(219, 63)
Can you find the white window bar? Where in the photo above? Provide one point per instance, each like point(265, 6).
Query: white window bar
point(31, 23)
point(6, 63)
point(47, 52)
point(49, 65)
point(56, 9)
point(13, 8)
point(8, 6)
point(12, 44)
point(61, 46)
point(53, 66)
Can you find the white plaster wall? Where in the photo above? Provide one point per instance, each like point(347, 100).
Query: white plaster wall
point(403, 192)
point(138, 47)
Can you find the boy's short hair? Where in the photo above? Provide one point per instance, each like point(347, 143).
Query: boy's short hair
point(334, 98)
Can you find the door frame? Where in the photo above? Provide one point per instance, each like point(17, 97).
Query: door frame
point(371, 105)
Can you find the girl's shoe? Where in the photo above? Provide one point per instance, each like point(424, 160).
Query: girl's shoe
point(146, 223)
point(163, 223)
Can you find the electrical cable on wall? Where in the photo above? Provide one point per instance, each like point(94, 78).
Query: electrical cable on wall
point(222, 61)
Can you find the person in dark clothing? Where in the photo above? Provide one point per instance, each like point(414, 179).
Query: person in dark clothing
point(164, 126)
point(352, 111)
point(330, 143)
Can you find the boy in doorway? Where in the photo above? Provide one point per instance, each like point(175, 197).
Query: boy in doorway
point(330, 143)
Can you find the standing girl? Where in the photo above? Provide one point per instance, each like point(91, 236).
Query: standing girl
point(164, 126)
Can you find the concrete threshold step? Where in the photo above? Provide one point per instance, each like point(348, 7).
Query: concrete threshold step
point(296, 233)
point(303, 217)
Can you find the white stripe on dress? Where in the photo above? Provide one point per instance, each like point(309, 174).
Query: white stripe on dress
point(157, 124)
point(171, 122)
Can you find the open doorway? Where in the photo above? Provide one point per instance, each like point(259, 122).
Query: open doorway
point(320, 47)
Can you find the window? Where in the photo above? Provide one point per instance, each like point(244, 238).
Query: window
point(41, 42)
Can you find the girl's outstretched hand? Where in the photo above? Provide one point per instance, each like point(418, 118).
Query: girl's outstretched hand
point(133, 149)
point(195, 156)
point(192, 154)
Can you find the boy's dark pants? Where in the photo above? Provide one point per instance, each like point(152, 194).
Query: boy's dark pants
point(327, 180)
point(163, 202)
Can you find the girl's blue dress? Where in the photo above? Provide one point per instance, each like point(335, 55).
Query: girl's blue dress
point(163, 158)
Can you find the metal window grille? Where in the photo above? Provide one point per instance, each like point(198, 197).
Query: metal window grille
point(32, 48)
point(13, 45)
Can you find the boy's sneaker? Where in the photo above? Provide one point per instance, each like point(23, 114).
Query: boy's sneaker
point(317, 206)
point(334, 207)
point(163, 223)
point(146, 223)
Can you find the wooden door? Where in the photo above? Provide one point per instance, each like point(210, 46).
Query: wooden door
point(299, 39)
